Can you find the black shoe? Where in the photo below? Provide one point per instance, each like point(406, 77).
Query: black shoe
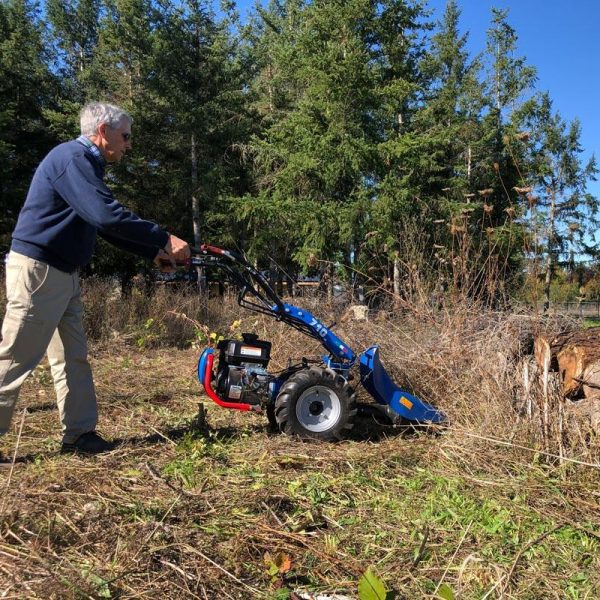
point(87, 443)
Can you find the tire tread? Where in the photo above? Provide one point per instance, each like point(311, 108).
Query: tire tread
point(292, 389)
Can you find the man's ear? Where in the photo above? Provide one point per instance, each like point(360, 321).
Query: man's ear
point(102, 130)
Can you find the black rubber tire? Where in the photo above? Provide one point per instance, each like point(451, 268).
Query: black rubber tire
point(315, 403)
point(270, 410)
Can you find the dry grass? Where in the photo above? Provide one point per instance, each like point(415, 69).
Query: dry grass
point(499, 506)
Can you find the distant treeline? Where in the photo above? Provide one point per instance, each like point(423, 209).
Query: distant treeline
point(348, 135)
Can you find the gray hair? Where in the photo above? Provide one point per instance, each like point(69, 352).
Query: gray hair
point(95, 113)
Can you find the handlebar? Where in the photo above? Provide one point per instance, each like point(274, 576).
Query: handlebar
point(250, 280)
point(205, 250)
point(256, 294)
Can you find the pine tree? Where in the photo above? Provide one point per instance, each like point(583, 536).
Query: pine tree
point(331, 84)
point(563, 213)
point(509, 82)
point(405, 157)
point(452, 109)
point(202, 79)
point(27, 92)
point(74, 30)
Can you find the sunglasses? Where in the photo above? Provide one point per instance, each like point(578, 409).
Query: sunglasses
point(126, 136)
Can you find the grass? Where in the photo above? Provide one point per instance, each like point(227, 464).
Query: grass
point(224, 508)
point(183, 512)
point(591, 322)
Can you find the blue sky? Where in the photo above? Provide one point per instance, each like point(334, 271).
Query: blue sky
point(559, 38)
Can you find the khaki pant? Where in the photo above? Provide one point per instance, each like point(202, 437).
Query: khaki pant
point(44, 312)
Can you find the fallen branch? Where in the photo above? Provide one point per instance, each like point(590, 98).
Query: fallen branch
point(528, 546)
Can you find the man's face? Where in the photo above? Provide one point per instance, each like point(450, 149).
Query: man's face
point(114, 141)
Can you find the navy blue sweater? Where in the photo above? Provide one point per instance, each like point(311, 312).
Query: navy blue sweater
point(68, 203)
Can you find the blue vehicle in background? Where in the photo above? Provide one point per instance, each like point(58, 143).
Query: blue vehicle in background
point(311, 399)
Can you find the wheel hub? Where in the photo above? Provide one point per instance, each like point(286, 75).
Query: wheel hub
point(315, 408)
point(318, 408)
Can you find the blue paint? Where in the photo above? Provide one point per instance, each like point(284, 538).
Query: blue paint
point(332, 343)
point(202, 364)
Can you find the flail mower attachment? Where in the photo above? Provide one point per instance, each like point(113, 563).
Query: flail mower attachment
point(308, 399)
point(379, 384)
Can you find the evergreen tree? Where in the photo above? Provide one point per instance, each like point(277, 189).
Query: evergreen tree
point(403, 153)
point(201, 77)
point(74, 30)
point(330, 86)
point(509, 81)
point(564, 214)
point(266, 218)
point(27, 91)
point(452, 110)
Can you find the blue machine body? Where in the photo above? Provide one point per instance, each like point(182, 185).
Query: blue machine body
point(373, 375)
point(398, 403)
point(333, 344)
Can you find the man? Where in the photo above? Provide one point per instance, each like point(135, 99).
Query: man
point(66, 206)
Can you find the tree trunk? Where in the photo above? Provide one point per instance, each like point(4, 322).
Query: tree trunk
point(469, 162)
point(330, 282)
point(547, 282)
point(270, 90)
point(196, 209)
point(550, 249)
point(534, 228)
point(396, 280)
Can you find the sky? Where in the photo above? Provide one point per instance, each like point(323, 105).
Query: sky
point(559, 38)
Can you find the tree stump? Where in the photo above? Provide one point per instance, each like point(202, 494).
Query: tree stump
point(575, 355)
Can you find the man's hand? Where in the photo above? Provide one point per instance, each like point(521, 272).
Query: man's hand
point(164, 262)
point(178, 250)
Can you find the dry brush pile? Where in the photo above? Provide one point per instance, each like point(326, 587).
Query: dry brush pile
point(502, 503)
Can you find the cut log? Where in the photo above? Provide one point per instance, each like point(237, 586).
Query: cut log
point(576, 357)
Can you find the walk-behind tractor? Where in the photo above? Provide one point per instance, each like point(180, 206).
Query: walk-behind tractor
point(311, 399)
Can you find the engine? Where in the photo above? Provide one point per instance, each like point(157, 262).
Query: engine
point(242, 372)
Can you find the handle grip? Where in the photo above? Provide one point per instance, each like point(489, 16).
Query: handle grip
point(198, 250)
